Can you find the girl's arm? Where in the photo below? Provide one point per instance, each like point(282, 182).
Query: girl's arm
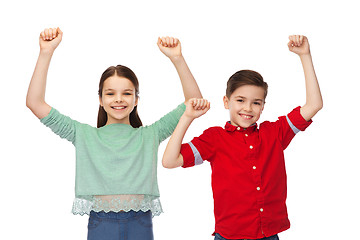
point(172, 157)
point(35, 100)
point(300, 45)
point(171, 47)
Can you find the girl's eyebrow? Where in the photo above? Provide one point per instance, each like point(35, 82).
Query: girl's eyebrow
point(126, 90)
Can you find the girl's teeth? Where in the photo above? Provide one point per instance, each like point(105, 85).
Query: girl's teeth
point(118, 108)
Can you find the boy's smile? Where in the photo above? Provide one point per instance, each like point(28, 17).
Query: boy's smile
point(245, 105)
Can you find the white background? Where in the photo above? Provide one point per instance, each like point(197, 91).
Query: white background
point(38, 168)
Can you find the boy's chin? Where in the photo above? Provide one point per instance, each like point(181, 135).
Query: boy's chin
point(242, 125)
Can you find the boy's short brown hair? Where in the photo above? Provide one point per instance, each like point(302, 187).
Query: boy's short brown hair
point(245, 77)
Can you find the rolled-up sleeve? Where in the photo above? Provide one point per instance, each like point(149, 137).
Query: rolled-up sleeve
point(61, 125)
point(290, 125)
point(199, 149)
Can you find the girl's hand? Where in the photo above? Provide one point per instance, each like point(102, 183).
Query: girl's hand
point(299, 44)
point(196, 107)
point(50, 38)
point(169, 46)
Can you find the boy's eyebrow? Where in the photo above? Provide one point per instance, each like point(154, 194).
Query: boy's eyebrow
point(257, 99)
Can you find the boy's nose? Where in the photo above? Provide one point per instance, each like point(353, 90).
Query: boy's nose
point(247, 107)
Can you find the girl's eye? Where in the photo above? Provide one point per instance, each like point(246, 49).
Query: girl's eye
point(109, 94)
point(257, 103)
point(127, 94)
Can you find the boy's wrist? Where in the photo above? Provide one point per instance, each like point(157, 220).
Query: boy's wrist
point(187, 119)
point(305, 55)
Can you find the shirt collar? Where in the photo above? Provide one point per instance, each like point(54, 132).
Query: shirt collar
point(231, 128)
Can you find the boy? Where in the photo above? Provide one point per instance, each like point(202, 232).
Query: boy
point(247, 161)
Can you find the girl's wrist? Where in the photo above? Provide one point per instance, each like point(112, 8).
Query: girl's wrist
point(48, 52)
point(177, 58)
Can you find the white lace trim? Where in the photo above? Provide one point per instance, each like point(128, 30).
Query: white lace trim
point(116, 203)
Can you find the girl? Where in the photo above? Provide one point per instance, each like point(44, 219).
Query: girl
point(116, 163)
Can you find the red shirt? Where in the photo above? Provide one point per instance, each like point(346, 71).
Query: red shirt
point(248, 174)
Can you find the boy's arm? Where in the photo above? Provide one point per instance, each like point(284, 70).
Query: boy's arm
point(171, 48)
point(172, 157)
point(300, 45)
point(35, 100)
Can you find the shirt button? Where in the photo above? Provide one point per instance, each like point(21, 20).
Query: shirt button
point(238, 128)
point(251, 147)
point(261, 210)
point(254, 167)
point(258, 188)
point(246, 135)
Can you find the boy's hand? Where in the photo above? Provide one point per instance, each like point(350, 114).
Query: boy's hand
point(299, 44)
point(169, 46)
point(196, 107)
point(50, 38)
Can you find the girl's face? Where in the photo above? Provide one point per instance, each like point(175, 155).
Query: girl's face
point(245, 105)
point(118, 99)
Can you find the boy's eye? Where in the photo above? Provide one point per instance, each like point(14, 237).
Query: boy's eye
point(127, 93)
point(109, 94)
point(240, 100)
point(257, 103)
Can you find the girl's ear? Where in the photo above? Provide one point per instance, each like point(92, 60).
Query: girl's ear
point(226, 102)
point(136, 101)
point(100, 101)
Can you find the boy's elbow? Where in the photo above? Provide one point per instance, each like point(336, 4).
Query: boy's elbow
point(315, 106)
point(318, 106)
point(321, 105)
point(171, 163)
point(166, 163)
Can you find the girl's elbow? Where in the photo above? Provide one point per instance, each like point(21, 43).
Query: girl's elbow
point(29, 104)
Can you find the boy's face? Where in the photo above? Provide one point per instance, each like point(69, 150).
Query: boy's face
point(245, 105)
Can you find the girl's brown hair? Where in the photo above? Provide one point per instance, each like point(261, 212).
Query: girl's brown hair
point(245, 77)
point(125, 72)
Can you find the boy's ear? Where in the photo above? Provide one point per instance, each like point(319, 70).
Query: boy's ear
point(226, 102)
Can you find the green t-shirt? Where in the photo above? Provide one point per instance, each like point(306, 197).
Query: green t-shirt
point(116, 158)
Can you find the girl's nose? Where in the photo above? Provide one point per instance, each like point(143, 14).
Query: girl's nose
point(118, 98)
